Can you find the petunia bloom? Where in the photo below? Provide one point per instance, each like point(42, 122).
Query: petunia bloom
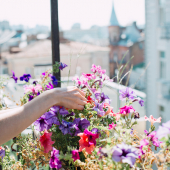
point(2, 152)
point(80, 125)
point(54, 160)
point(127, 93)
point(87, 141)
point(13, 76)
point(54, 80)
point(46, 141)
point(125, 153)
point(154, 139)
point(75, 155)
point(126, 110)
point(25, 77)
point(62, 66)
point(66, 127)
point(112, 126)
point(33, 89)
point(164, 130)
point(41, 123)
point(152, 119)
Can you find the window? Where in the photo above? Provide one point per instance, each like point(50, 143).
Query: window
point(162, 65)
point(161, 112)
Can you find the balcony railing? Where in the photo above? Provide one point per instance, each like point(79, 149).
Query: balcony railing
point(165, 31)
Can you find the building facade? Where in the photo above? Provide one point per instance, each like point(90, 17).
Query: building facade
point(157, 53)
point(121, 40)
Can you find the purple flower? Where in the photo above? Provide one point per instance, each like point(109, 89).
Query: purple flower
point(95, 130)
point(25, 77)
point(51, 118)
point(127, 93)
point(54, 160)
point(75, 155)
point(59, 109)
point(13, 76)
point(154, 139)
point(99, 108)
point(164, 130)
point(35, 82)
point(54, 80)
point(41, 123)
point(101, 97)
point(125, 153)
point(2, 152)
point(30, 97)
point(141, 102)
point(62, 66)
point(66, 127)
point(80, 125)
point(49, 86)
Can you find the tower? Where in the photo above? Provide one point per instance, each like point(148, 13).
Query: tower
point(114, 29)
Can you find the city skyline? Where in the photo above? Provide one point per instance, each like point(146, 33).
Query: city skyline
point(34, 12)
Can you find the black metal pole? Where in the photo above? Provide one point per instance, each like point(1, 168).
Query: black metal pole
point(55, 37)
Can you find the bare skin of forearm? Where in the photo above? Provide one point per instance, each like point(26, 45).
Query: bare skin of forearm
point(14, 121)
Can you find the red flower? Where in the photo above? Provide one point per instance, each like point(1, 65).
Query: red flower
point(46, 141)
point(89, 100)
point(87, 141)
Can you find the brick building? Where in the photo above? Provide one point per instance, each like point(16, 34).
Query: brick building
point(122, 39)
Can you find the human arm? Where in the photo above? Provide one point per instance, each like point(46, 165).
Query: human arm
point(16, 120)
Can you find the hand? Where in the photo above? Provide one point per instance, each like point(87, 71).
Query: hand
point(71, 97)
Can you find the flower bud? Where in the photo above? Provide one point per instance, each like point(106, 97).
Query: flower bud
point(136, 115)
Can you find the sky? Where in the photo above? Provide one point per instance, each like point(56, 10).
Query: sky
point(85, 12)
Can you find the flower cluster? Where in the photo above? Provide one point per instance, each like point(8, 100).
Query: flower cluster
point(98, 137)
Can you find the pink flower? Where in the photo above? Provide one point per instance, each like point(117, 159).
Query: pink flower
point(108, 107)
point(89, 76)
point(152, 119)
point(33, 89)
point(117, 115)
point(75, 155)
point(93, 69)
point(77, 80)
point(126, 110)
point(46, 141)
point(112, 126)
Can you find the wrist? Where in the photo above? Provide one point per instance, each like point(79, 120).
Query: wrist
point(54, 96)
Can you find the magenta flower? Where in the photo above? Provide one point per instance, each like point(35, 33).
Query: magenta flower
point(112, 126)
point(75, 155)
point(91, 137)
point(54, 160)
point(125, 153)
point(127, 93)
point(13, 76)
point(49, 86)
point(62, 66)
point(154, 139)
point(25, 77)
point(89, 76)
point(126, 110)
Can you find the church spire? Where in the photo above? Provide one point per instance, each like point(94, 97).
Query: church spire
point(113, 18)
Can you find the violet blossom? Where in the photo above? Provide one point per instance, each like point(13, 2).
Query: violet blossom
point(62, 66)
point(13, 76)
point(80, 125)
point(25, 77)
point(125, 153)
point(2, 152)
point(101, 97)
point(41, 123)
point(54, 160)
point(66, 127)
point(54, 80)
point(164, 130)
point(127, 93)
point(99, 108)
point(30, 97)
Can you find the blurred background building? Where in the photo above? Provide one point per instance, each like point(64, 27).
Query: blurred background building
point(157, 53)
